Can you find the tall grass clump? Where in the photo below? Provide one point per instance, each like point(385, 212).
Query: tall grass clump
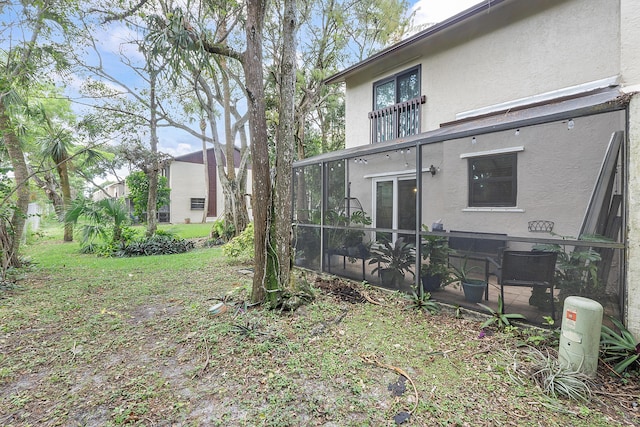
point(552, 377)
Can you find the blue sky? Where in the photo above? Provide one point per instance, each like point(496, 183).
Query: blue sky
point(177, 142)
point(426, 11)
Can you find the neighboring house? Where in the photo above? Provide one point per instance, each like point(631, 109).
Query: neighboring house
point(115, 190)
point(187, 182)
point(511, 118)
point(185, 176)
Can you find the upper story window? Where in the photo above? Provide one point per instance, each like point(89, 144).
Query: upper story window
point(396, 104)
point(396, 89)
point(493, 180)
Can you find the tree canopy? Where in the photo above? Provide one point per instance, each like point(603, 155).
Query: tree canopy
point(251, 71)
point(138, 184)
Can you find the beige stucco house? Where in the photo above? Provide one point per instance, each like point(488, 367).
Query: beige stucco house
point(188, 188)
point(186, 179)
point(113, 190)
point(516, 119)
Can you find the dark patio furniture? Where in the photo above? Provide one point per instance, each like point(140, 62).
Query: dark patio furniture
point(477, 246)
point(361, 252)
point(530, 269)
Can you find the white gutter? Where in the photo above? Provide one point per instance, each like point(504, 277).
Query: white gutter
point(543, 97)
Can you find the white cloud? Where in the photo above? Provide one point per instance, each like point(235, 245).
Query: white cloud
point(180, 149)
point(118, 39)
point(434, 11)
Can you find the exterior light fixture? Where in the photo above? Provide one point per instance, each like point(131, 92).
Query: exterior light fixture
point(517, 132)
point(433, 170)
point(570, 124)
point(473, 140)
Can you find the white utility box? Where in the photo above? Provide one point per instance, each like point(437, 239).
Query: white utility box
point(580, 334)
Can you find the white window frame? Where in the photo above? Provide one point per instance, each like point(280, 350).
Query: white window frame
point(374, 200)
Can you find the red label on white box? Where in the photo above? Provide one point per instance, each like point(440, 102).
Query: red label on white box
point(572, 315)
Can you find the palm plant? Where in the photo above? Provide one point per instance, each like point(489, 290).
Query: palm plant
point(499, 317)
point(422, 301)
point(621, 347)
point(57, 144)
point(106, 218)
point(398, 257)
point(435, 256)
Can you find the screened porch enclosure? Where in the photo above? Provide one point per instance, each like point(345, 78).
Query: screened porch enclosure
point(360, 213)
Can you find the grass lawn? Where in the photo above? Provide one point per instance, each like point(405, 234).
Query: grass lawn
point(87, 341)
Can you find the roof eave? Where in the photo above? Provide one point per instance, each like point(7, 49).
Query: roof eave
point(422, 35)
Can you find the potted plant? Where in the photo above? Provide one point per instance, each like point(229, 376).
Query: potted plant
point(434, 271)
point(473, 288)
point(353, 243)
point(393, 261)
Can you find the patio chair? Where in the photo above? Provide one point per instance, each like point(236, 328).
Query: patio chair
point(530, 269)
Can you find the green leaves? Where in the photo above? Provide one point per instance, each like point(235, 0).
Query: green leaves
point(158, 244)
point(499, 317)
point(422, 301)
point(138, 184)
point(619, 347)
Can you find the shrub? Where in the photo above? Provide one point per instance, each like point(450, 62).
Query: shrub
point(158, 244)
point(552, 377)
point(620, 348)
point(240, 246)
point(221, 230)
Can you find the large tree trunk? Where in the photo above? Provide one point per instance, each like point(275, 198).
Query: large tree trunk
point(65, 187)
point(12, 231)
point(235, 206)
point(231, 205)
point(285, 146)
point(264, 277)
point(50, 188)
point(301, 187)
point(205, 163)
point(152, 173)
point(233, 185)
point(152, 201)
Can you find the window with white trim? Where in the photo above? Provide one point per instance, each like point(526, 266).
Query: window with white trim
point(493, 180)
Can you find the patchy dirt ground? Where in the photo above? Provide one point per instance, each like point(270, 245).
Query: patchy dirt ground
point(138, 346)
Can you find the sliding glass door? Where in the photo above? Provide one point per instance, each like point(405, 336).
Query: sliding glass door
point(395, 207)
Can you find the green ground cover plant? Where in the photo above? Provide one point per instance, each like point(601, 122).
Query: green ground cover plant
point(131, 341)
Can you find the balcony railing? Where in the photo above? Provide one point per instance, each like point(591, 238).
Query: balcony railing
point(396, 121)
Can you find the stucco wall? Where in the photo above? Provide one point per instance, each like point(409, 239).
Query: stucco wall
point(186, 182)
point(633, 228)
point(557, 171)
point(118, 189)
point(630, 64)
point(508, 53)
point(629, 40)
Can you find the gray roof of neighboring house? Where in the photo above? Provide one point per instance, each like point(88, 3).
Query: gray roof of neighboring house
point(463, 16)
